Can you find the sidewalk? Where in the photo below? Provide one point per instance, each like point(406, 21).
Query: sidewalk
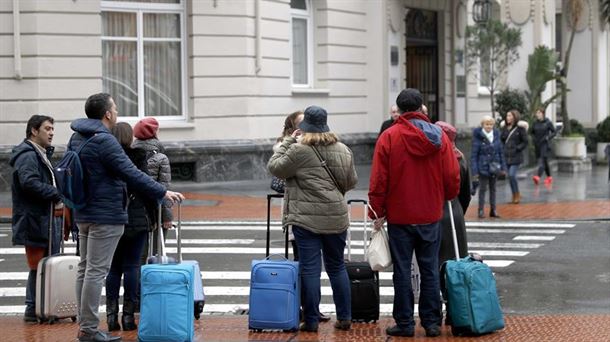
point(586, 328)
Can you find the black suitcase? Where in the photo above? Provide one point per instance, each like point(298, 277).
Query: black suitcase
point(363, 280)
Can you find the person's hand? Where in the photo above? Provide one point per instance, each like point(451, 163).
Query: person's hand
point(297, 132)
point(167, 225)
point(378, 223)
point(173, 196)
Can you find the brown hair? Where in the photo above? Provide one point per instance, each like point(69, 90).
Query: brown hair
point(324, 139)
point(516, 116)
point(290, 124)
point(123, 133)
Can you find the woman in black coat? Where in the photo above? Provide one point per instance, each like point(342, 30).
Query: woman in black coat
point(543, 131)
point(459, 205)
point(126, 259)
point(514, 139)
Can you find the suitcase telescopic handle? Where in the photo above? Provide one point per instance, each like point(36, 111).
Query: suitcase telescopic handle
point(453, 232)
point(270, 197)
point(365, 226)
point(179, 232)
point(51, 216)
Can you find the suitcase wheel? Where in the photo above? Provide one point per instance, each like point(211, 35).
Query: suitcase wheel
point(290, 330)
point(52, 320)
point(197, 316)
point(73, 319)
point(255, 330)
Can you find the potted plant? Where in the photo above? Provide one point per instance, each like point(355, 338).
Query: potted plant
point(603, 139)
point(571, 146)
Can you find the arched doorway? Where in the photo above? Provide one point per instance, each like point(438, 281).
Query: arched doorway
point(422, 57)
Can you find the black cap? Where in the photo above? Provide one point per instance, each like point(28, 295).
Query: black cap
point(314, 120)
point(409, 100)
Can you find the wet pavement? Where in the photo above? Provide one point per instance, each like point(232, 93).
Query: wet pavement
point(559, 293)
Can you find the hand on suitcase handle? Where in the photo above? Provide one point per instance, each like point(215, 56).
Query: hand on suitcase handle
point(173, 196)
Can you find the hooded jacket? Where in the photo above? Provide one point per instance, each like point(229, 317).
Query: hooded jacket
point(311, 199)
point(414, 172)
point(107, 170)
point(33, 193)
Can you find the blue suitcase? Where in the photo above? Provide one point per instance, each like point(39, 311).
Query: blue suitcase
point(472, 298)
point(166, 309)
point(274, 288)
point(167, 297)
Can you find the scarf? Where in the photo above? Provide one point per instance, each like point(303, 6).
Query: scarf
point(489, 136)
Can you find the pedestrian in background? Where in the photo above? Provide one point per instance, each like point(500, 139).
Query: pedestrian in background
point(126, 259)
point(514, 139)
point(414, 172)
point(145, 131)
point(543, 132)
point(487, 162)
point(101, 221)
point(394, 114)
point(316, 209)
point(35, 199)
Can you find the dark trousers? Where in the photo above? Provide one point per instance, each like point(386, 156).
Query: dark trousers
point(425, 241)
point(126, 261)
point(486, 181)
point(312, 248)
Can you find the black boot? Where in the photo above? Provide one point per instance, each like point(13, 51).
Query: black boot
point(128, 320)
point(112, 314)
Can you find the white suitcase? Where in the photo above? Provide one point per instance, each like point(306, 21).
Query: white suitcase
point(56, 285)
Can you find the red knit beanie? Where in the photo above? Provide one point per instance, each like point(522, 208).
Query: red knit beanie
point(146, 128)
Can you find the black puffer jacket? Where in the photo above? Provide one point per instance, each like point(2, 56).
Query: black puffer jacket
point(515, 142)
point(543, 132)
point(141, 209)
point(33, 194)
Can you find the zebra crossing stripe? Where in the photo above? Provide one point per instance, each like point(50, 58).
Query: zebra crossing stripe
point(503, 245)
point(516, 231)
point(520, 225)
point(533, 238)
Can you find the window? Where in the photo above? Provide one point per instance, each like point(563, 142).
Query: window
point(143, 57)
point(301, 40)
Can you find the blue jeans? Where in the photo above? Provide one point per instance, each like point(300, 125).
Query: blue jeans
point(425, 241)
point(512, 178)
point(332, 246)
point(126, 261)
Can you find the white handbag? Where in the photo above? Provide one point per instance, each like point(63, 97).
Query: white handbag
point(378, 251)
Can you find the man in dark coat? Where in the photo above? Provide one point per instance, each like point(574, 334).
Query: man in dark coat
point(101, 221)
point(34, 196)
point(394, 114)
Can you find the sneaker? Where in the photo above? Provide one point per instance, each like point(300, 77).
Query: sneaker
point(309, 327)
point(398, 331)
point(343, 324)
point(548, 180)
point(536, 179)
point(433, 331)
point(98, 336)
point(481, 214)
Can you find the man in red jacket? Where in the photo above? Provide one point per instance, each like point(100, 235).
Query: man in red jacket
point(414, 172)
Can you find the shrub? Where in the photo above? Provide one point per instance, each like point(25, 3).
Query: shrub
point(509, 99)
point(603, 130)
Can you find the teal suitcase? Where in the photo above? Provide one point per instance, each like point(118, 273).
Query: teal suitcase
point(472, 298)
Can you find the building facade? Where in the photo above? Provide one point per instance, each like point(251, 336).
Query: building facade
point(221, 75)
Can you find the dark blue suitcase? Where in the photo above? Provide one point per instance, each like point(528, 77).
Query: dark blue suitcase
point(274, 288)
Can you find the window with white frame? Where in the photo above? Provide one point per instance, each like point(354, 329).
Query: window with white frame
point(301, 39)
point(143, 64)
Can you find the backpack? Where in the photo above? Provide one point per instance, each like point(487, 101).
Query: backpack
point(70, 177)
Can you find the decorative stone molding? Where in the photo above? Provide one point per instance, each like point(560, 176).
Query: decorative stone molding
point(520, 11)
point(461, 19)
point(587, 16)
point(395, 14)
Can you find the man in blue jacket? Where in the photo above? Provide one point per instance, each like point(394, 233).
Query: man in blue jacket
point(34, 194)
point(101, 221)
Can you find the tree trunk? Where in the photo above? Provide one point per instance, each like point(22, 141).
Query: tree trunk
point(565, 117)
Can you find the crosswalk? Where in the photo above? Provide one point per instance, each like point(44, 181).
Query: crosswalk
point(225, 249)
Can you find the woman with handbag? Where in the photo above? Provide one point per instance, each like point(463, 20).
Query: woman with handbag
point(318, 170)
point(487, 162)
point(514, 139)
